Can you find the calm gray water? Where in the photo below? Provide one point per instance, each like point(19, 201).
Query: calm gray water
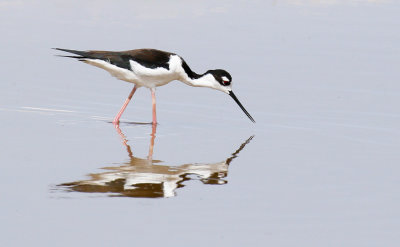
point(319, 168)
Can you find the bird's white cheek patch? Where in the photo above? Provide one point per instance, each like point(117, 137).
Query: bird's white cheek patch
point(224, 78)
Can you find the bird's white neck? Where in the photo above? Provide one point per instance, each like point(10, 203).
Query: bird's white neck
point(202, 81)
point(187, 76)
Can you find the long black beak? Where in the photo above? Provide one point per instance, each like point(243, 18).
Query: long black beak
point(238, 102)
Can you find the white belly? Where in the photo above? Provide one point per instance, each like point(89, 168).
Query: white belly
point(140, 75)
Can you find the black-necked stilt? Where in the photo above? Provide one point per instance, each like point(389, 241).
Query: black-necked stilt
point(153, 68)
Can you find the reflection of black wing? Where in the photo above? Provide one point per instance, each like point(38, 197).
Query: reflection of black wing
point(150, 58)
point(117, 187)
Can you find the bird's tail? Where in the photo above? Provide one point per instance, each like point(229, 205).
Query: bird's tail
point(81, 54)
point(86, 55)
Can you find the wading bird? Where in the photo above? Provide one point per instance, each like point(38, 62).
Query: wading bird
point(152, 68)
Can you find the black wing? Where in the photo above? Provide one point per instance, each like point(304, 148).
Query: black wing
point(150, 58)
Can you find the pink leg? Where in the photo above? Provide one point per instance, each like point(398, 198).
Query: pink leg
point(116, 119)
point(153, 97)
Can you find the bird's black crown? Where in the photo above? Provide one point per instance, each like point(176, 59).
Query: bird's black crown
point(219, 74)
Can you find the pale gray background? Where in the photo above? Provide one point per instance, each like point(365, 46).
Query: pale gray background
point(321, 78)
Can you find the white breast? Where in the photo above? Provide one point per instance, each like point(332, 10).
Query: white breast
point(150, 78)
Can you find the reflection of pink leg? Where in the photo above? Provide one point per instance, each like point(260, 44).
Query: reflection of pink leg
point(151, 148)
point(116, 119)
point(119, 131)
point(124, 140)
point(153, 97)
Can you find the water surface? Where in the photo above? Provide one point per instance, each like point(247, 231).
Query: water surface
point(319, 77)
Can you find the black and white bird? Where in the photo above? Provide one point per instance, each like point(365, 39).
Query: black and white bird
point(152, 68)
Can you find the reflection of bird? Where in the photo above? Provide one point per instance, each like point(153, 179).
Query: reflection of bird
point(148, 178)
point(153, 68)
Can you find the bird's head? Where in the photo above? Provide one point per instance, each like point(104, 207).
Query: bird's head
point(222, 81)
